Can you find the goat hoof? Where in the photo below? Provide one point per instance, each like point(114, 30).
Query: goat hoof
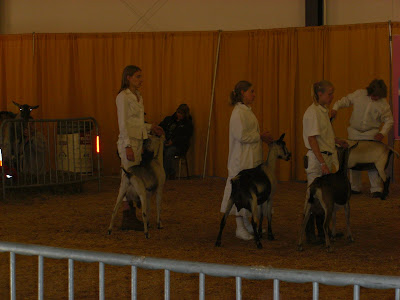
point(218, 244)
point(259, 246)
point(300, 248)
point(109, 232)
point(159, 226)
point(350, 239)
point(329, 249)
point(271, 237)
point(147, 235)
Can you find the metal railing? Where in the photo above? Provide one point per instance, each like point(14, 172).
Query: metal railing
point(168, 265)
point(48, 152)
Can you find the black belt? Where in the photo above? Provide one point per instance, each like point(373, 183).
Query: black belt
point(326, 152)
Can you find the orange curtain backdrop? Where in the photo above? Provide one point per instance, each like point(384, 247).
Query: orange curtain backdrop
point(354, 56)
point(79, 75)
point(268, 59)
point(396, 162)
point(16, 71)
point(311, 43)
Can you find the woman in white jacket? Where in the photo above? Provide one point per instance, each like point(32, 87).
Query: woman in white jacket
point(370, 111)
point(132, 131)
point(245, 148)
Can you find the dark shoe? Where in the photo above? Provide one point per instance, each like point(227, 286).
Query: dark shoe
point(355, 192)
point(377, 195)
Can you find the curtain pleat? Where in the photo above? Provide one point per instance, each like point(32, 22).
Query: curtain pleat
point(79, 75)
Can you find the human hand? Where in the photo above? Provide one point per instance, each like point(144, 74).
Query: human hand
point(266, 137)
point(129, 154)
point(333, 113)
point(157, 130)
point(378, 137)
point(342, 143)
point(324, 169)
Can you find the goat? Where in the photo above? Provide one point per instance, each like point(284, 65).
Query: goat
point(25, 111)
point(370, 155)
point(254, 187)
point(325, 195)
point(140, 182)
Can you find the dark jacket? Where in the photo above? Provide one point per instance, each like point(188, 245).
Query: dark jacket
point(179, 132)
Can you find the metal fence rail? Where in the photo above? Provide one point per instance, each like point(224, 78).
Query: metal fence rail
point(48, 152)
point(217, 270)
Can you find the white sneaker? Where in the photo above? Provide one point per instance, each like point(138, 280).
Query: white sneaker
point(243, 234)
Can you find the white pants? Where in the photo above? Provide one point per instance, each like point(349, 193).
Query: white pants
point(314, 167)
point(374, 179)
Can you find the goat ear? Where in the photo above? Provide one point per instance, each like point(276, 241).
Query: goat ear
point(282, 136)
point(34, 107)
point(16, 104)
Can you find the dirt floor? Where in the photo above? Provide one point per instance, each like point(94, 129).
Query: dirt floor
point(191, 220)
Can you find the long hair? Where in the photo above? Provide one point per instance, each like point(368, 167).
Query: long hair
point(236, 94)
point(184, 110)
point(320, 86)
point(128, 71)
point(377, 87)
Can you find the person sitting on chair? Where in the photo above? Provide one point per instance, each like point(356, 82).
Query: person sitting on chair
point(178, 130)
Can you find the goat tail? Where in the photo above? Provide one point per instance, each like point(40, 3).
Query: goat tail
point(235, 182)
point(126, 172)
point(397, 153)
point(313, 189)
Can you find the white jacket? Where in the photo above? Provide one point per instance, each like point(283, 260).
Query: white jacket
point(131, 123)
point(245, 146)
point(368, 115)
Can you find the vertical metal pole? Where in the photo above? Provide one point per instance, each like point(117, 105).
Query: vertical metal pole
point(315, 291)
point(166, 284)
point(391, 132)
point(12, 276)
point(356, 292)
point(212, 101)
point(397, 294)
point(134, 283)
point(276, 289)
point(201, 286)
point(40, 278)
point(57, 146)
point(101, 281)
point(70, 279)
point(238, 288)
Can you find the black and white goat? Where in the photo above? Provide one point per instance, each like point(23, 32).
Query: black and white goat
point(325, 195)
point(140, 182)
point(252, 189)
point(368, 155)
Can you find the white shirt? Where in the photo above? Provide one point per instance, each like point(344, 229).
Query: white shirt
point(367, 116)
point(316, 123)
point(130, 112)
point(245, 146)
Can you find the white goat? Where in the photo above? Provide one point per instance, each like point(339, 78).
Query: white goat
point(254, 187)
point(325, 195)
point(369, 155)
point(140, 182)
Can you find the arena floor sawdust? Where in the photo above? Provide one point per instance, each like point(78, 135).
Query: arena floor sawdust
point(191, 220)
